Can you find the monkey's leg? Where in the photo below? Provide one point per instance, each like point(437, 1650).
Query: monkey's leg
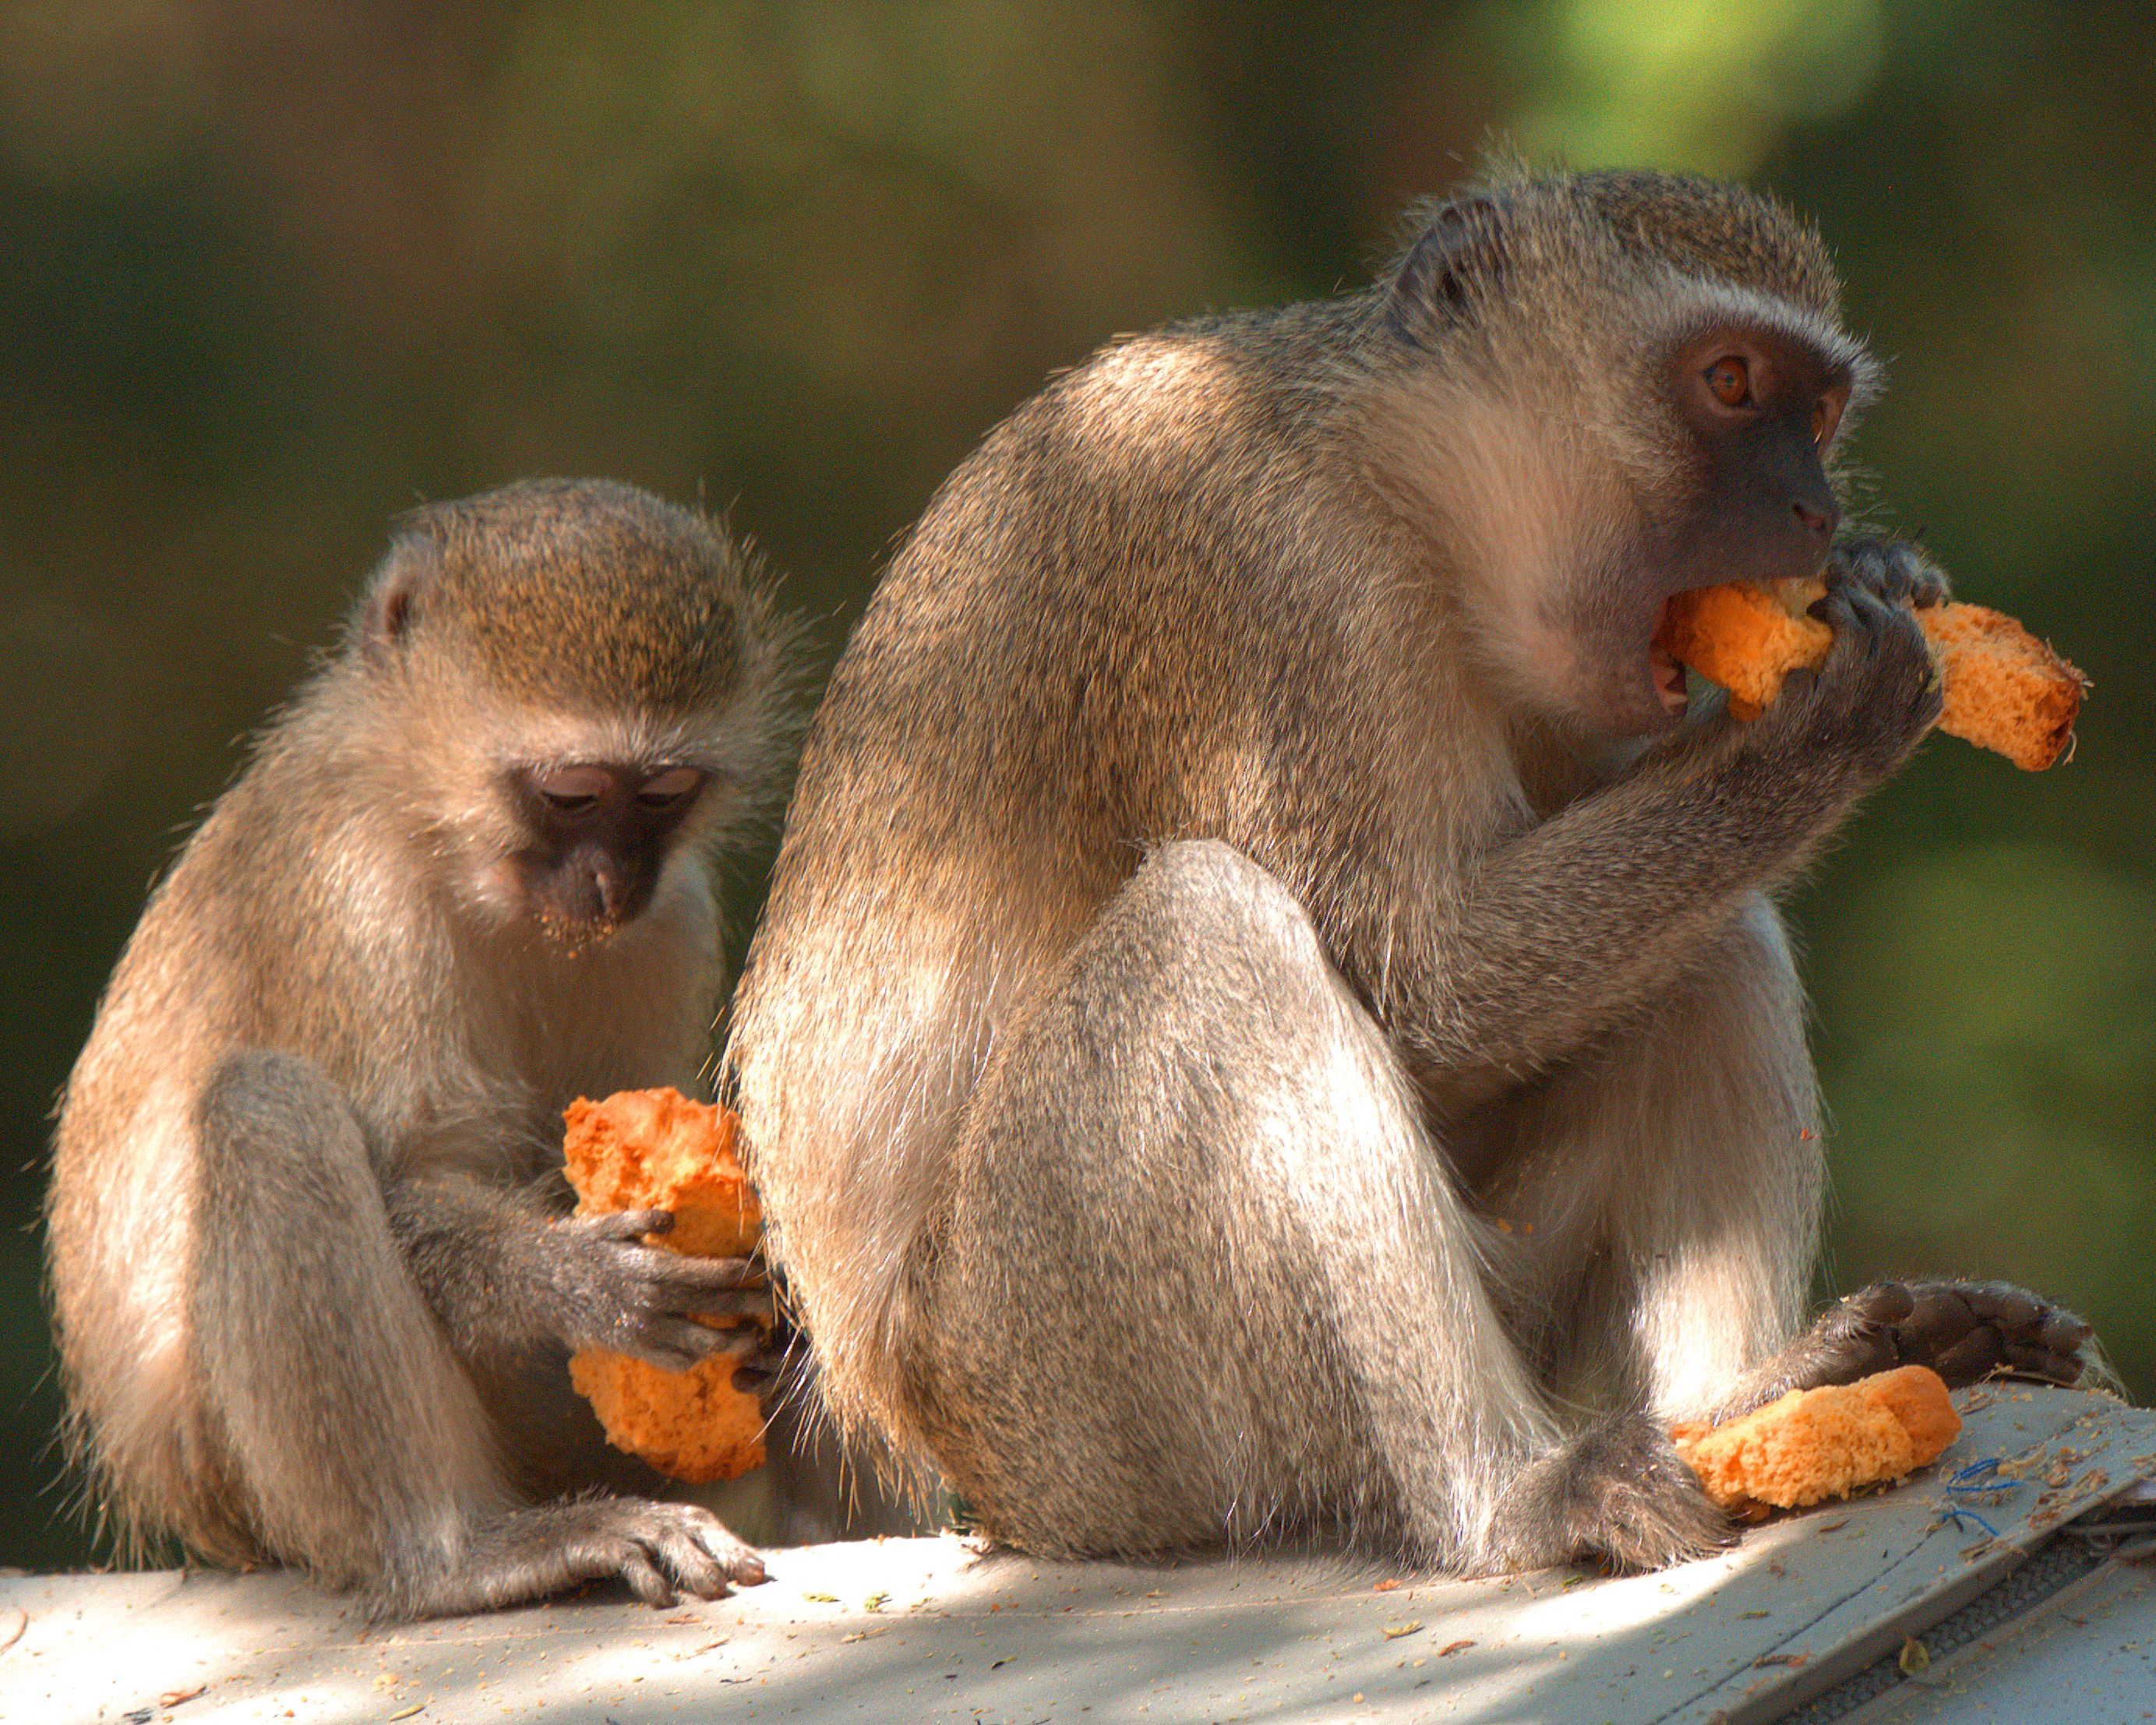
point(1667, 1186)
point(1682, 1163)
point(1202, 1277)
point(356, 1444)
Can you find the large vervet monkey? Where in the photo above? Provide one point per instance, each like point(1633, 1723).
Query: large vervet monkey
point(1270, 1017)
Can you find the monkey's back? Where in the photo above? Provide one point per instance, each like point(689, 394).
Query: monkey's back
point(1120, 622)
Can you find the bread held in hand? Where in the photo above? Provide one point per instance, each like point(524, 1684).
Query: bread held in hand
point(2005, 690)
point(655, 1149)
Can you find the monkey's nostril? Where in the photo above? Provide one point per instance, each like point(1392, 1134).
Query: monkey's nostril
point(1812, 520)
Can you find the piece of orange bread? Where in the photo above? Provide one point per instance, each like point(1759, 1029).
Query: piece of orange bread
point(2005, 690)
point(655, 1149)
point(1816, 1444)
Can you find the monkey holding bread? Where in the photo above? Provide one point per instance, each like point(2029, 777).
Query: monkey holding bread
point(2000, 687)
point(1271, 1021)
point(309, 1250)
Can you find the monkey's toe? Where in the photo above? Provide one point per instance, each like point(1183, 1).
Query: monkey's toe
point(661, 1550)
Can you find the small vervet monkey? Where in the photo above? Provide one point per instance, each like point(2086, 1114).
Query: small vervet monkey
point(311, 1258)
point(1269, 1020)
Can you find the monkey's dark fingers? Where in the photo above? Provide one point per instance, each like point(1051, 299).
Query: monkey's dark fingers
point(675, 1344)
point(738, 1562)
point(675, 1270)
point(1880, 691)
point(713, 1287)
point(1966, 1330)
point(1976, 1355)
point(1929, 587)
point(684, 1557)
point(659, 1550)
point(1855, 1337)
point(2062, 1332)
point(2015, 1310)
point(2024, 1360)
point(682, 1545)
point(1882, 628)
point(1846, 669)
point(1884, 1302)
point(1897, 572)
point(762, 1370)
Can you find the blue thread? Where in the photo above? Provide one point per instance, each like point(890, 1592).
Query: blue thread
point(1977, 1476)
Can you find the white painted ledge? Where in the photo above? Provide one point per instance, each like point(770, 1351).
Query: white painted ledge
point(909, 1629)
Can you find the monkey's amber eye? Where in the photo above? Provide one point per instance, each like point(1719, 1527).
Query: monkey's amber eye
point(1824, 417)
point(1730, 380)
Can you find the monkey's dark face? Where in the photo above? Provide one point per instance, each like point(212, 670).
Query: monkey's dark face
point(596, 836)
point(1758, 410)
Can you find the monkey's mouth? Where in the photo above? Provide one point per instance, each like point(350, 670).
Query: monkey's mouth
point(1667, 676)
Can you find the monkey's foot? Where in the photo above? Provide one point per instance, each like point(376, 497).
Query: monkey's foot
point(1962, 1330)
point(660, 1550)
point(1619, 1492)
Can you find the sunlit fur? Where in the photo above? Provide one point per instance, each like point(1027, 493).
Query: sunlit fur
point(341, 905)
point(1206, 913)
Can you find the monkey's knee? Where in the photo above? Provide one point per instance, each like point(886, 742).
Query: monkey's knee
point(339, 1428)
point(1185, 1290)
point(1204, 886)
point(1217, 961)
point(267, 1101)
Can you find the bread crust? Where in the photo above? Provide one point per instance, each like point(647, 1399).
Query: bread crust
point(2004, 690)
point(656, 1149)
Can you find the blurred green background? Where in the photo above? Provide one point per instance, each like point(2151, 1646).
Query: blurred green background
point(271, 270)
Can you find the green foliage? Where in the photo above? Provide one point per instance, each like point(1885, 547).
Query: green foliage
point(266, 282)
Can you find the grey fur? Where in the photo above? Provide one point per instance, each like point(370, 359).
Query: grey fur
point(309, 1259)
point(1229, 1053)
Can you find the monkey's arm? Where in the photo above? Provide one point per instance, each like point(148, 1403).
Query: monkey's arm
point(1552, 937)
point(500, 1274)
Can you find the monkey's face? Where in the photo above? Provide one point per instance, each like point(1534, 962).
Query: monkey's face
point(594, 838)
point(1743, 495)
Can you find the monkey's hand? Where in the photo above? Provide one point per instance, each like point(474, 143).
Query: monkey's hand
point(763, 1372)
point(612, 1290)
point(1889, 569)
point(1844, 729)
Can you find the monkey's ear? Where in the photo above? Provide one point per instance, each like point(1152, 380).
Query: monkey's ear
point(396, 594)
point(1459, 252)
